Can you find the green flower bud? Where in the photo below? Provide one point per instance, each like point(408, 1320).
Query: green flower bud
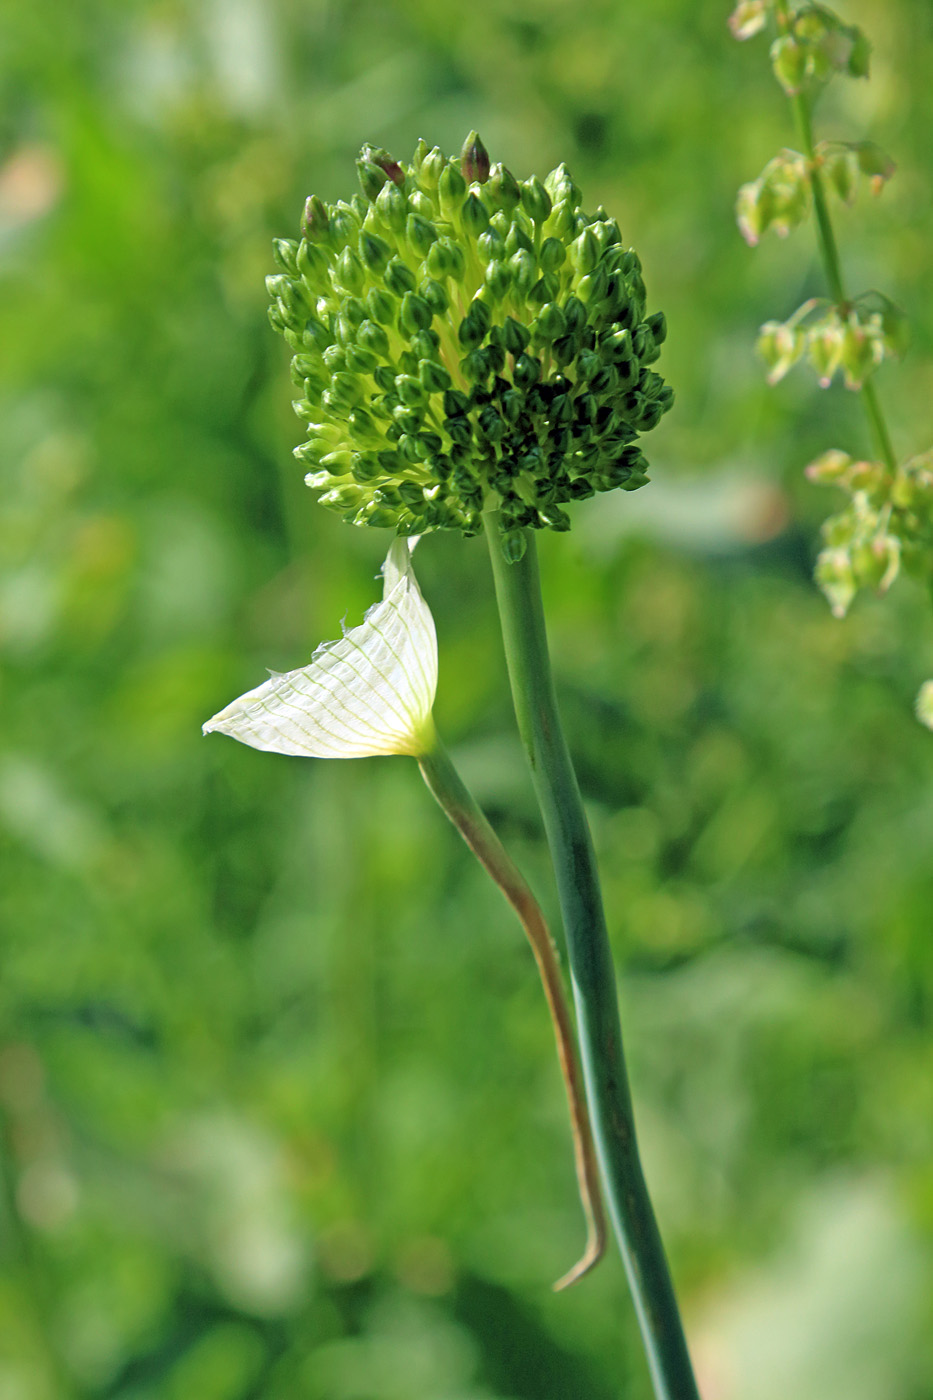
point(419, 234)
point(584, 252)
point(515, 336)
point(550, 323)
point(474, 160)
point(285, 251)
point(345, 225)
point(410, 390)
point(560, 186)
point(503, 189)
point(348, 273)
point(371, 178)
point(535, 200)
point(451, 188)
point(392, 207)
point(432, 167)
point(517, 240)
point(657, 324)
point(372, 337)
point(491, 246)
point(473, 216)
point(399, 278)
point(445, 259)
point(433, 376)
point(315, 223)
point(552, 255)
point(523, 272)
point(374, 251)
point(345, 391)
point(380, 306)
point(435, 296)
point(498, 279)
point(562, 223)
point(415, 313)
point(527, 371)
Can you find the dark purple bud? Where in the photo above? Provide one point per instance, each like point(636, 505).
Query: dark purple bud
point(375, 155)
point(474, 160)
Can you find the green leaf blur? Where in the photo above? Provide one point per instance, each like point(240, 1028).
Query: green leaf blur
point(280, 1115)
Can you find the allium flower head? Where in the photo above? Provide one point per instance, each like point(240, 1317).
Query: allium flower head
point(464, 342)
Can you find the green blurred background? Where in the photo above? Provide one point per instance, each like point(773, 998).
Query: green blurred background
point(281, 1115)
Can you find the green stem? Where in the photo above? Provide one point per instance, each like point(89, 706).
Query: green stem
point(523, 631)
point(829, 253)
point(461, 807)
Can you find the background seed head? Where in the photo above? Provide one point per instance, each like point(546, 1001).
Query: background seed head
point(465, 342)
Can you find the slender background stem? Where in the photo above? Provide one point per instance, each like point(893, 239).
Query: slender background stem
point(523, 631)
point(802, 105)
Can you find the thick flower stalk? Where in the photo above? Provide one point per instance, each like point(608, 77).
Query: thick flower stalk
point(466, 343)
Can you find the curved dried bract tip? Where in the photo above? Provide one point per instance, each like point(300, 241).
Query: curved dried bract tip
point(371, 692)
point(474, 160)
point(595, 1249)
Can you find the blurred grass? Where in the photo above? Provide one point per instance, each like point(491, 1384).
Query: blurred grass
point(280, 1113)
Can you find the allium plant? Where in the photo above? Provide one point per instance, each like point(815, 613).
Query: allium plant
point(473, 353)
point(888, 521)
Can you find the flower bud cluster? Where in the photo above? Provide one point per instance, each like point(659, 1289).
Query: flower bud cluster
point(779, 199)
point(817, 44)
point(813, 43)
point(855, 340)
point(888, 522)
point(465, 342)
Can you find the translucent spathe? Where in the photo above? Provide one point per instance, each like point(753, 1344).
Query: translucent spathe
point(371, 692)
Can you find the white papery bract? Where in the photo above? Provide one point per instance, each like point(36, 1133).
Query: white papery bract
point(371, 692)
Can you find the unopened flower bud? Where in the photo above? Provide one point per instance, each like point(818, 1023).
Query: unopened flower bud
point(560, 186)
point(419, 234)
point(375, 252)
point(375, 155)
point(315, 223)
point(349, 273)
point(451, 188)
point(473, 216)
point(535, 200)
point(371, 177)
point(284, 251)
point(503, 190)
point(415, 313)
point(392, 207)
point(584, 252)
point(399, 278)
point(474, 160)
